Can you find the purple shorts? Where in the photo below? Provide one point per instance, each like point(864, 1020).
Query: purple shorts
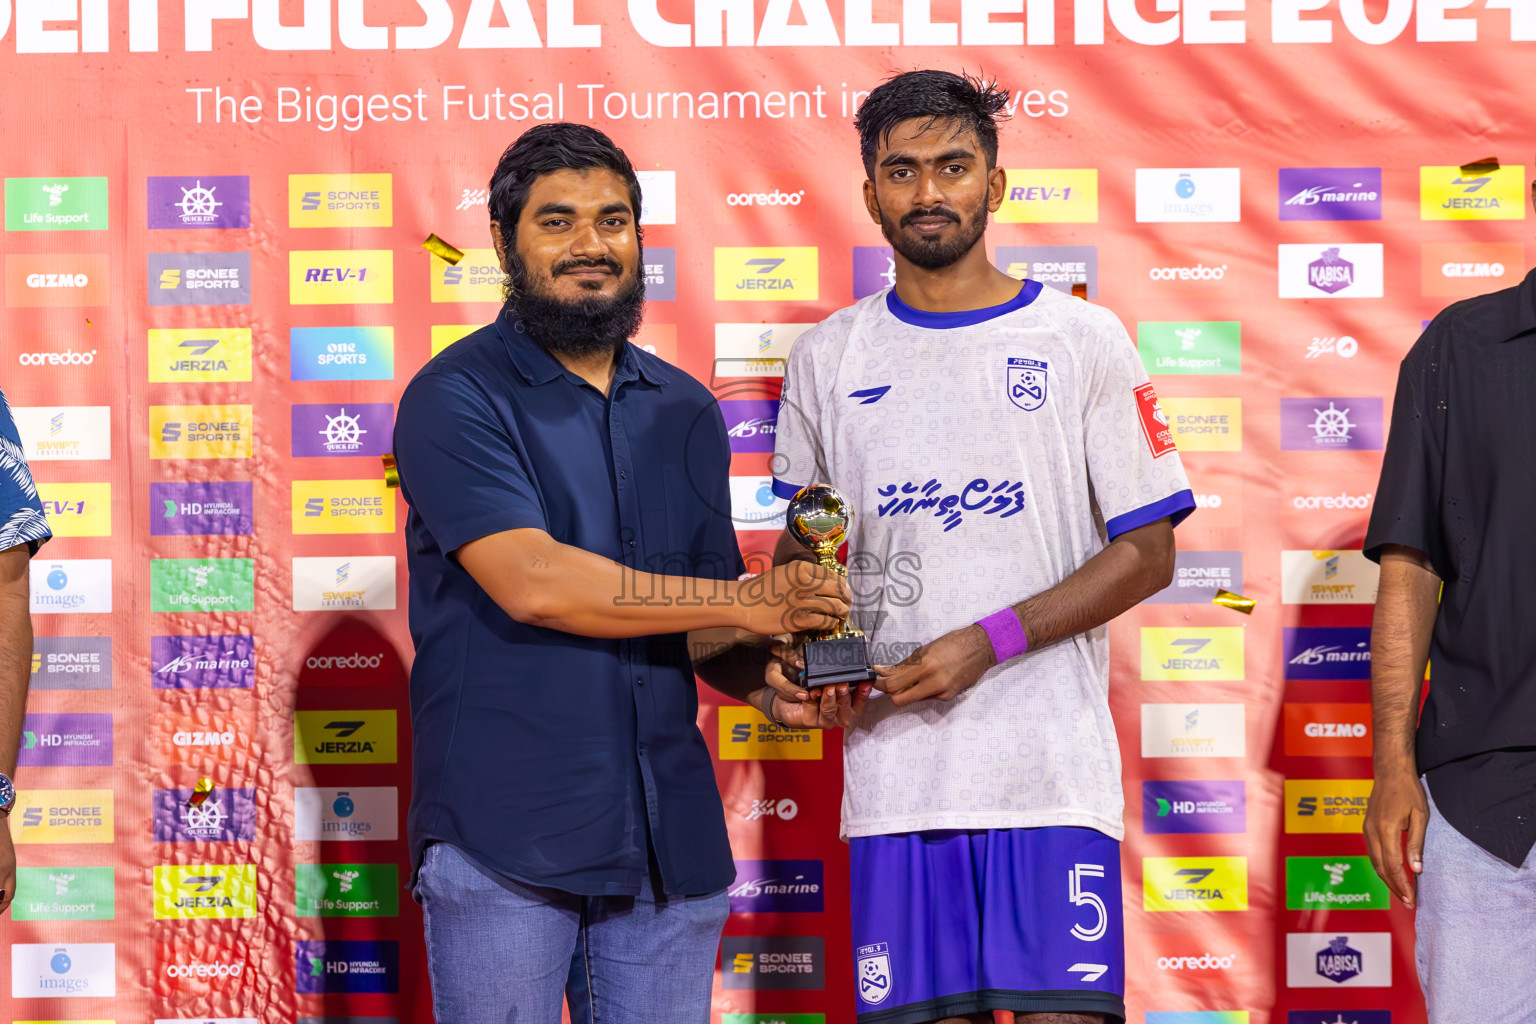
point(1023, 919)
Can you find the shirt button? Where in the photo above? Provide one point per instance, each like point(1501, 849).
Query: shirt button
point(623, 475)
point(639, 682)
point(631, 543)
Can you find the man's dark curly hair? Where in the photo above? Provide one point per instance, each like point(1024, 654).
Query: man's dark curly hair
point(942, 97)
point(544, 149)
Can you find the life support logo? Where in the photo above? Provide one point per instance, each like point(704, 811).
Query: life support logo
point(874, 971)
point(1027, 380)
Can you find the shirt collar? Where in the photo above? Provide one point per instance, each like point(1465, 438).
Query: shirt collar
point(537, 366)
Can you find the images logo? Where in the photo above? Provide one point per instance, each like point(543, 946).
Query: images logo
point(71, 663)
point(1194, 883)
point(347, 890)
point(777, 886)
point(1193, 730)
point(1330, 424)
point(747, 736)
point(71, 585)
point(1327, 730)
point(357, 813)
point(344, 737)
point(74, 433)
point(754, 350)
point(200, 509)
point(229, 815)
point(73, 279)
point(754, 506)
point(1447, 194)
point(59, 740)
point(63, 816)
point(1205, 424)
point(341, 276)
point(750, 423)
point(661, 275)
point(202, 584)
point(199, 355)
point(1330, 193)
point(200, 201)
point(1214, 346)
point(1056, 266)
point(203, 662)
point(336, 965)
point(199, 279)
point(77, 510)
point(200, 431)
point(358, 582)
point(55, 204)
point(1192, 655)
point(1206, 808)
point(340, 201)
point(1327, 577)
point(1325, 805)
point(477, 277)
point(341, 353)
point(1327, 652)
point(1461, 270)
point(360, 428)
point(1197, 575)
point(1357, 960)
point(784, 274)
point(778, 962)
point(1203, 195)
point(874, 269)
point(1326, 271)
point(205, 891)
point(64, 894)
point(1050, 197)
point(77, 970)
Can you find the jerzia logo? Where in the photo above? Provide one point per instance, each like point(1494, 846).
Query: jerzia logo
point(344, 737)
point(778, 274)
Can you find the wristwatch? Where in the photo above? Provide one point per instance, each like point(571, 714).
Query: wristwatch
point(7, 794)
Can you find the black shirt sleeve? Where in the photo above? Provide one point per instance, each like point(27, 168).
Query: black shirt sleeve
point(1407, 509)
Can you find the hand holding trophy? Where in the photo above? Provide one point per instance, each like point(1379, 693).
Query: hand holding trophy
point(819, 518)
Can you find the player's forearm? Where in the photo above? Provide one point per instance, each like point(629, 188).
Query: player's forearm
point(736, 671)
point(1407, 602)
point(15, 653)
point(1131, 568)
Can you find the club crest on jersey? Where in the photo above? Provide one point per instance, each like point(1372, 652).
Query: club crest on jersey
point(874, 971)
point(1026, 382)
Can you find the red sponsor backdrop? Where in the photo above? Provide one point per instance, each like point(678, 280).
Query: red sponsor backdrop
point(267, 90)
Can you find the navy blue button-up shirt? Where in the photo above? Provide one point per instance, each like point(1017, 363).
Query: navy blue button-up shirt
point(551, 758)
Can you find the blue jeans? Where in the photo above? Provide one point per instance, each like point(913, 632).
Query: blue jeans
point(499, 952)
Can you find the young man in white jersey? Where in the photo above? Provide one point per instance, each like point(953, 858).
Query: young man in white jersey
point(1000, 442)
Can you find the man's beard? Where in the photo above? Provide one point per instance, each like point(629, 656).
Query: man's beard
point(933, 253)
point(579, 328)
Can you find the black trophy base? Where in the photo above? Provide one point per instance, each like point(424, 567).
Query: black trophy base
point(843, 659)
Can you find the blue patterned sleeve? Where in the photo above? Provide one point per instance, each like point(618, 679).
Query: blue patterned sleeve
point(21, 510)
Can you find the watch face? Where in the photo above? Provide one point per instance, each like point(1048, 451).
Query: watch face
point(7, 793)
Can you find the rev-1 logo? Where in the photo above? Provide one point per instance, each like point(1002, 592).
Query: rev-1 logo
point(338, 275)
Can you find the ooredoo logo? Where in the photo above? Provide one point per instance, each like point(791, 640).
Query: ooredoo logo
point(1203, 962)
point(1342, 500)
point(1198, 272)
point(766, 198)
point(196, 969)
point(774, 198)
point(355, 660)
point(69, 357)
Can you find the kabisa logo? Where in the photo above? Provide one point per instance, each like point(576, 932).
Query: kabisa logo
point(344, 737)
point(202, 584)
point(1210, 808)
point(1330, 424)
point(1034, 196)
point(228, 815)
point(1356, 960)
point(364, 428)
point(71, 663)
point(199, 355)
point(64, 894)
point(205, 891)
point(1056, 266)
point(1327, 652)
point(74, 970)
point(341, 276)
point(65, 740)
point(203, 201)
point(746, 736)
point(200, 509)
point(347, 890)
point(200, 279)
point(340, 201)
point(786, 274)
point(73, 279)
point(477, 277)
point(1448, 193)
point(1214, 653)
point(335, 965)
point(1329, 271)
point(1330, 193)
point(71, 585)
point(772, 962)
point(357, 813)
point(874, 269)
point(69, 357)
point(63, 816)
point(1326, 805)
point(202, 662)
point(1340, 961)
point(1194, 883)
point(750, 423)
point(777, 886)
point(341, 353)
point(56, 204)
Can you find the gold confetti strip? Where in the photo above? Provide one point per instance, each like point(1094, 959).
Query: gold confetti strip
point(200, 792)
point(1237, 602)
point(1080, 290)
point(1477, 168)
point(442, 250)
point(88, 322)
point(391, 474)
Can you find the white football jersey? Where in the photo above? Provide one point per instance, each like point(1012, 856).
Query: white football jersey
point(986, 455)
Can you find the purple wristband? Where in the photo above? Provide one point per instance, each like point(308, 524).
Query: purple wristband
point(1006, 633)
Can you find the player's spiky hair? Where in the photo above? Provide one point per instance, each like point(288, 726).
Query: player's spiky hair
point(942, 97)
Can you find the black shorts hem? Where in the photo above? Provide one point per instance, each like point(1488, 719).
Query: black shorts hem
point(1044, 1001)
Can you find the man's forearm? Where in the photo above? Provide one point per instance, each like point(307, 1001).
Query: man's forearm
point(1133, 567)
point(15, 652)
point(737, 671)
point(1407, 602)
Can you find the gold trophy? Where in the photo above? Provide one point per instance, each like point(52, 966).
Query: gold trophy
point(819, 518)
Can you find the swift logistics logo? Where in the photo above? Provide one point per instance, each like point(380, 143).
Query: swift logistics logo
point(1055, 266)
point(56, 204)
point(77, 510)
point(227, 816)
point(346, 890)
point(64, 433)
point(217, 509)
point(343, 506)
point(772, 962)
point(1327, 652)
point(1037, 196)
point(1212, 654)
point(1330, 193)
point(199, 355)
point(754, 350)
point(63, 816)
point(355, 428)
point(1330, 424)
point(1356, 960)
point(344, 737)
point(65, 740)
point(1191, 195)
point(1461, 270)
point(1327, 270)
point(340, 201)
point(1190, 347)
point(1446, 193)
point(322, 277)
point(1205, 424)
point(204, 891)
point(56, 279)
point(359, 582)
point(65, 893)
point(341, 353)
point(1193, 730)
point(71, 663)
point(1327, 730)
point(1334, 883)
point(226, 662)
point(1328, 577)
point(352, 814)
point(199, 279)
point(202, 584)
point(1203, 808)
point(777, 886)
point(71, 585)
point(1197, 575)
point(1194, 883)
point(782, 274)
point(1325, 805)
point(746, 736)
point(356, 965)
point(200, 431)
point(477, 277)
point(77, 970)
point(203, 201)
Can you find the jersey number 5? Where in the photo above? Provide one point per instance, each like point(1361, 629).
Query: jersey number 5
point(1081, 897)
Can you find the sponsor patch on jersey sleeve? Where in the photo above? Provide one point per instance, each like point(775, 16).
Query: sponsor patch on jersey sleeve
point(1154, 425)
